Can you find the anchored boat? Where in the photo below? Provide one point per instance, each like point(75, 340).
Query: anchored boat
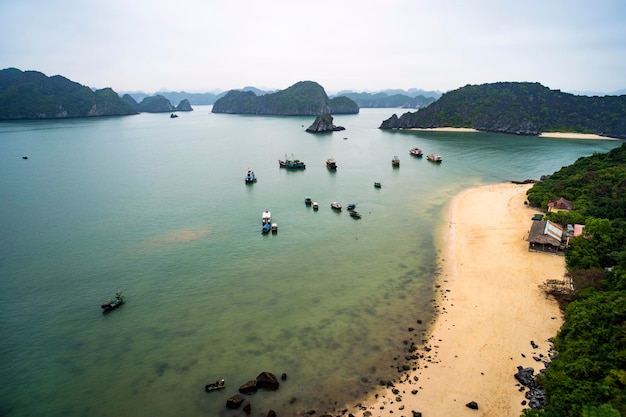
point(291, 163)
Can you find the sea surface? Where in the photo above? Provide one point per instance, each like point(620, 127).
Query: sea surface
point(157, 208)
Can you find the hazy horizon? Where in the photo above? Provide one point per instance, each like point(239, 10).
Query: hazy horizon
point(208, 45)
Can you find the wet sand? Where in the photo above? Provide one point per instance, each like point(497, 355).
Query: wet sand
point(490, 308)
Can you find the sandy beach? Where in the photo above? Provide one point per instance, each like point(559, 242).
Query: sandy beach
point(489, 310)
point(556, 135)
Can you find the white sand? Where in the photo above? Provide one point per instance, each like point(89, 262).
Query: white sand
point(490, 309)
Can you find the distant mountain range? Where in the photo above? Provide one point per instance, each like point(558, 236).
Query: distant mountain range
point(412, 98)
point(519, 108)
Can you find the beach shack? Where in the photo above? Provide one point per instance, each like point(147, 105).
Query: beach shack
point(560, 204)
point(545, 236)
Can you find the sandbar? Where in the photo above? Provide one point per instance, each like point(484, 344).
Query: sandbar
point(490, 312)
point(557, 135)
point(565, 135)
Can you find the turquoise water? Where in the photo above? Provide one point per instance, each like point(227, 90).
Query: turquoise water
point(158, 208)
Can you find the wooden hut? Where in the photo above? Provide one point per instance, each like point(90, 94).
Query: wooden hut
point(545, 236)
point(560, 204)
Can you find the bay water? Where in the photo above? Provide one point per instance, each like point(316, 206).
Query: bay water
point(157, 208)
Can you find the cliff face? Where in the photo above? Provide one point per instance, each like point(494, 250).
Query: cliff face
point(323, 124)
point(33, 95)
point(519, 108)
point(305, 98)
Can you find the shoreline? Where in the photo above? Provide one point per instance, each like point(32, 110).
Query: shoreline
point(490, 312)
point(553, 135)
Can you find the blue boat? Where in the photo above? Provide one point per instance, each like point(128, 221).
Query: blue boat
point(250, 177)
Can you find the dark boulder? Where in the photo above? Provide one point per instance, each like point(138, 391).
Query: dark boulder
point(267, 380)
point(235, 401)
point(249, 387)
point(271, 413)
point(472, 404)
point(525, 376)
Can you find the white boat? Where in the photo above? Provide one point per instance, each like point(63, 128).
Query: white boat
point(315, 205)
point(274, 227)
point(266, 217)
point(434, 157)
point(335, 205)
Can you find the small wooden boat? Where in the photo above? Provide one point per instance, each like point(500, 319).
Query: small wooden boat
point(308, 201)
point(351, 206)
point(434, 157)
point(114, 302)
point(214, 386)
point(315, 205)
point(395, 162)
point(335, 205)
point(377, 185)
point(274, 228)
point(416, 152)
point(331, 164)
point(355, 214)
point(266, 228)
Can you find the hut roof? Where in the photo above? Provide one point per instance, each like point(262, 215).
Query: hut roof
point(561, 204)
point(545, 233)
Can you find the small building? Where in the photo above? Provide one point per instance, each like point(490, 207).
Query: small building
point(545, 236)
point(560, 204)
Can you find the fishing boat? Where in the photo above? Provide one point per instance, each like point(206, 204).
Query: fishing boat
point(355, 214)
point(308, 201)
point(416, 152)
point(250, 177)
point(377, 185)
point(266, 228)
point(113, 303)
point(434, 157)
point(274, 228)
point(291, 163)
point(214, 386)
point(335, 205)
point(331, 164)
point(266, 217)
point(395, 162)
point(351, 206)
point(315, 205)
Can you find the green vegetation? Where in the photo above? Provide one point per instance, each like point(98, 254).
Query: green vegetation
point(305, 98)
point(588, 377)
point(32, 95)
point(519, 108)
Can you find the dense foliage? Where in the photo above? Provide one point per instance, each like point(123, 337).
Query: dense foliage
point(519, 108)
point(305, 98)
point(33, 95)
point(588, 377)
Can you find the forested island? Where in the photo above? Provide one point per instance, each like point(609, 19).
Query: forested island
point(33, 95)
point(520, 108)
point(305, 98)
point(587, 377)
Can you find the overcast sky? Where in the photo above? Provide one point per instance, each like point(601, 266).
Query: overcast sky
point(365, 45)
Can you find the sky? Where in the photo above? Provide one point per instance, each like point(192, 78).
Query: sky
point(364, 45)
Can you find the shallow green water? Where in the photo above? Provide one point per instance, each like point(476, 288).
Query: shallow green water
point(158, 208)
